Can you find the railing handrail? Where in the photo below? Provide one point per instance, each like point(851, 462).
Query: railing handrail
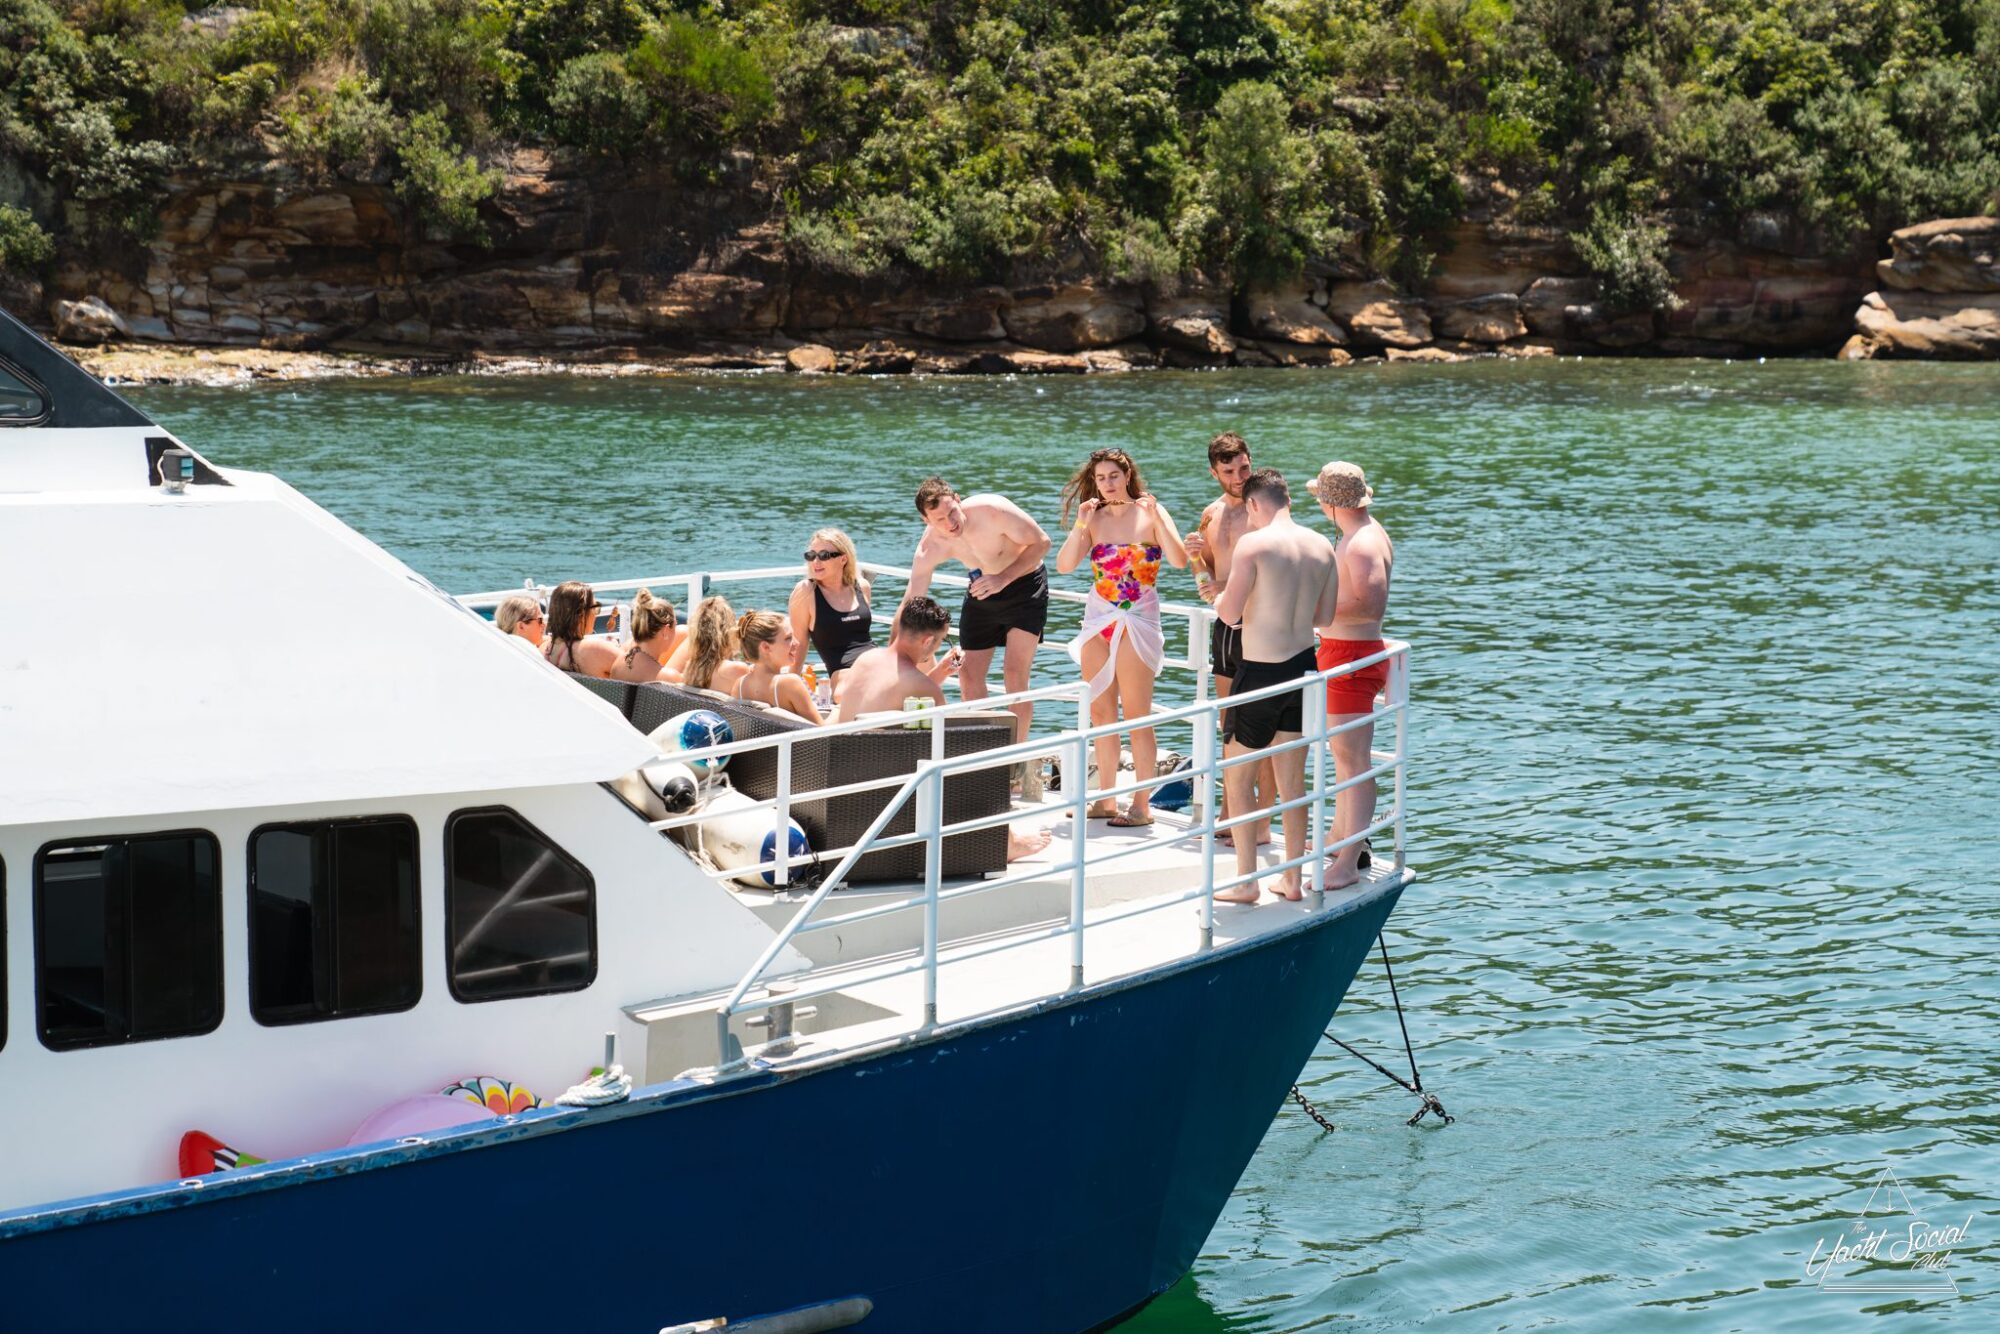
point(936, 769)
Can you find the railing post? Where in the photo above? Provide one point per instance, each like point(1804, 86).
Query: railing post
point(930, 821)
point(1203, 774)
point(1079, 846)
point(1316, 728)
point(1198, 633)
point(781, 874)
point(1399, 694)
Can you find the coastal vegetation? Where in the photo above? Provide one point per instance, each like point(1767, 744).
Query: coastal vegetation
point(971, 140)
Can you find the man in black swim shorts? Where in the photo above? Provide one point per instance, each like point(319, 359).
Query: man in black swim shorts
point(1284, 583)
point(1007, 605)
point(1211, 548)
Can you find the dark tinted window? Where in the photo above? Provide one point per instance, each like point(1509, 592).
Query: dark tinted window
point(520, 913)
point(333, 920)
point(128, 939)
point(20, 401)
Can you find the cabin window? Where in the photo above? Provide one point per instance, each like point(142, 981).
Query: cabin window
point(520, 913)
point(333, 920)
point(128, 939)
point(22, 403)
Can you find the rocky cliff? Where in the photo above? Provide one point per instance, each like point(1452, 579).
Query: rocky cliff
point(1940, 295)
point(580, 263)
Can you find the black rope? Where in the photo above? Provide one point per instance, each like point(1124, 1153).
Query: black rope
point(1414, 1084)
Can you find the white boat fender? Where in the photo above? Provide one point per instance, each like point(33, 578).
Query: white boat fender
point(661, 788)
point(694, 730)
point(736, 832)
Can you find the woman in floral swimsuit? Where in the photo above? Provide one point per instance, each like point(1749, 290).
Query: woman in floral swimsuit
point(1125, 533)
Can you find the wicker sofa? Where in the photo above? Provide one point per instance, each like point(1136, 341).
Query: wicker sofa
point(853, 757)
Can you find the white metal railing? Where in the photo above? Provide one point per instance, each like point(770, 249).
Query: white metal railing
point(926, 787)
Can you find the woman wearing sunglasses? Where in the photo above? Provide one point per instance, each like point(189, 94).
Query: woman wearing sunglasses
point(569, 644)
point(521, 616)
point(830, 606)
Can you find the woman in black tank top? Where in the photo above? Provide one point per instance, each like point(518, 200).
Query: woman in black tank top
point(833, 577)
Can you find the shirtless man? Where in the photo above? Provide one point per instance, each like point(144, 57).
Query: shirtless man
point(882, 678)
point(1008, 603)
point(1209, 548)
point(1365, 555)
point(1284, 582)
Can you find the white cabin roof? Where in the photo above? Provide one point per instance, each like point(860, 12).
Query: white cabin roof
point(238, 646)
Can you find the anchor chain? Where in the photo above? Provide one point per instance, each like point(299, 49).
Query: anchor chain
point(1430, 1106)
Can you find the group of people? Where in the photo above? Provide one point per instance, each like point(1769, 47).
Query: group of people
point(1288, 602)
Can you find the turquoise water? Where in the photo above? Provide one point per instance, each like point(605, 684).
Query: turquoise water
point(1706, 661)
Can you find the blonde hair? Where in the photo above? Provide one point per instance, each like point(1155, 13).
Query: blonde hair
point(512, 611)
point(714, 633)
point(650, 615)
point(850, 565)
point(754, 629)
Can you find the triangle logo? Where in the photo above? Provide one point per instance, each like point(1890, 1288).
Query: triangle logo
point(1890, 1247)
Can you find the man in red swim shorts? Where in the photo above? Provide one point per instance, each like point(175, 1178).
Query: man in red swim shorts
point(1364, 555)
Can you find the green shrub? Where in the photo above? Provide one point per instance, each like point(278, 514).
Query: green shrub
point(596, 105)
point(443, 183)
point(705, 89)
point(342, 131)
point(24, 246)
point(1629, 258)
point(1262, 214)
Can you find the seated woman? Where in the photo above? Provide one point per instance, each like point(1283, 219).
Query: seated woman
point(768, 645)
point(520, 615)
point(830, 606)
point(654, 631)
point(570, 645)
point(1124, 532)
point(706, 649)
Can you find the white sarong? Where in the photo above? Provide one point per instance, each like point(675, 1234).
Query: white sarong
point(1140, 621)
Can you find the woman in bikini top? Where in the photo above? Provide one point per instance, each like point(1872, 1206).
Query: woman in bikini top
point(839, 634)
point(569, 643)
point(767, 643)
point(653, 633)
point(1125, 533)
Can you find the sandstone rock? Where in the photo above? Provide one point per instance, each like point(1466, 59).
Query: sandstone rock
point(811, 359)
point(1955, 326)
point(1528, 347)
point(1251, 355)
point(1116, 360)
point(1542, 305)
point(880, 357)
point(1421, 354)
point(974, 320)
point(1949, 255)
point(1483, 319)
point(1857, 348)
point(1187, 359)
point(1072, 318)
point(1192, 324)
point(88, 322)
point(1375, 315)
point(1297, 355)
point(1289, 316)
point(1482, 258)
point(1594, 322)
point(1028, 361)
point(1796, 311)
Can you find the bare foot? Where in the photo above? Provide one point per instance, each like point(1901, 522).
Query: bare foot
point(1240, 894)
point(1227, 838)
point(1340, 877)
point(1288, 885)
point(1021, 845)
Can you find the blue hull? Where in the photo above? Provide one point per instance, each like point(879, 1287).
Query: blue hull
point(1050, 1171)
